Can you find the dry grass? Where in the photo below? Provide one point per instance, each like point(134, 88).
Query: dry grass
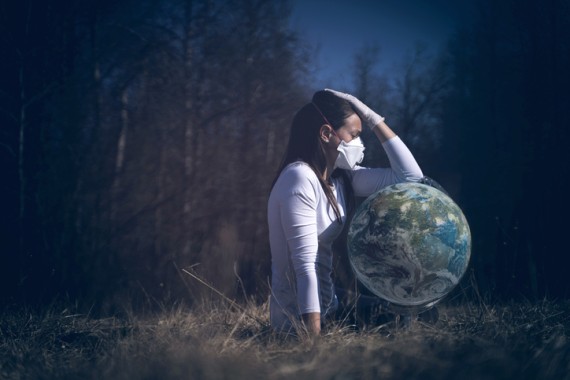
point(470, 341)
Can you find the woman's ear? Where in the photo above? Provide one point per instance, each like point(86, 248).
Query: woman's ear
point(325, 132)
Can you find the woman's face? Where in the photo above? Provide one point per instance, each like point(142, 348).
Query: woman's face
point(351, 129)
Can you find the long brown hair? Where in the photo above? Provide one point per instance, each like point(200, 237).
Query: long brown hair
point(305, 143)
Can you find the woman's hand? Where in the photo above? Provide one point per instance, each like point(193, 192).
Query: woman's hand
point(371, 118)
point(313, 323)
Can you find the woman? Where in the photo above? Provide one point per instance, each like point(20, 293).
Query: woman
point(308, 202)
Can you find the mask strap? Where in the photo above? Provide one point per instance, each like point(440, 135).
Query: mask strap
point(322, 115)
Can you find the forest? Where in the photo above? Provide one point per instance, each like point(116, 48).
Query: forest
point(139, 140)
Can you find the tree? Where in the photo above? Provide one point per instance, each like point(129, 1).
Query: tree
point(150, 145)
point(505, 69)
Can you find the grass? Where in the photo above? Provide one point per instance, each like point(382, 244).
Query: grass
point(516, 340)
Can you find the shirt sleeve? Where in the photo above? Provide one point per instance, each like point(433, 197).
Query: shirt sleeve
point(403, 168)
point(299, 220)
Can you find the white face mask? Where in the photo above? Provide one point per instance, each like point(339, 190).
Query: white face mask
point(350, 154)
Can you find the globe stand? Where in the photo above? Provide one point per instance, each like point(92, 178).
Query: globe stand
point(428, 316)
point(405, 321)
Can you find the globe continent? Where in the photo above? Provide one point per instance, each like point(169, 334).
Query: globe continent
point(409, 244)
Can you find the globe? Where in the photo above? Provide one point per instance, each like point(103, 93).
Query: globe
point(409, 244)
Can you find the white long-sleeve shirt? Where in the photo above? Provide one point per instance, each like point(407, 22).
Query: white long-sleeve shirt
point(303, 227)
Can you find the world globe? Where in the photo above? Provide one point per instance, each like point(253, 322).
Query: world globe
point(409, 244)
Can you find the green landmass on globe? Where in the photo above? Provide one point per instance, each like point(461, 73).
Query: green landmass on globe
point(409, 244)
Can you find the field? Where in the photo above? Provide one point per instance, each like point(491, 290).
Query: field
point(471, 340)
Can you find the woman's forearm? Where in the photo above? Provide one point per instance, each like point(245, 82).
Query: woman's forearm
point(313, 322)
point(383, 131)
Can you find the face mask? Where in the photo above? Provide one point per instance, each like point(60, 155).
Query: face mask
point(350, 154)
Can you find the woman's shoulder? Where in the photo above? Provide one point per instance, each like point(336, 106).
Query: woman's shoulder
point(297, 174)
point(297, 168)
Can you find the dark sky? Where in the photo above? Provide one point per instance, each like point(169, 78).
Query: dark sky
point(337, 29)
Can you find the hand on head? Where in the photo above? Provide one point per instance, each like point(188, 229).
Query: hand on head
point(369, 117)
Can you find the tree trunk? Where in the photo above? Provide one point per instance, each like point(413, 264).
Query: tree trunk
point(120, 157)
point(189, 123)
point(21, 169)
